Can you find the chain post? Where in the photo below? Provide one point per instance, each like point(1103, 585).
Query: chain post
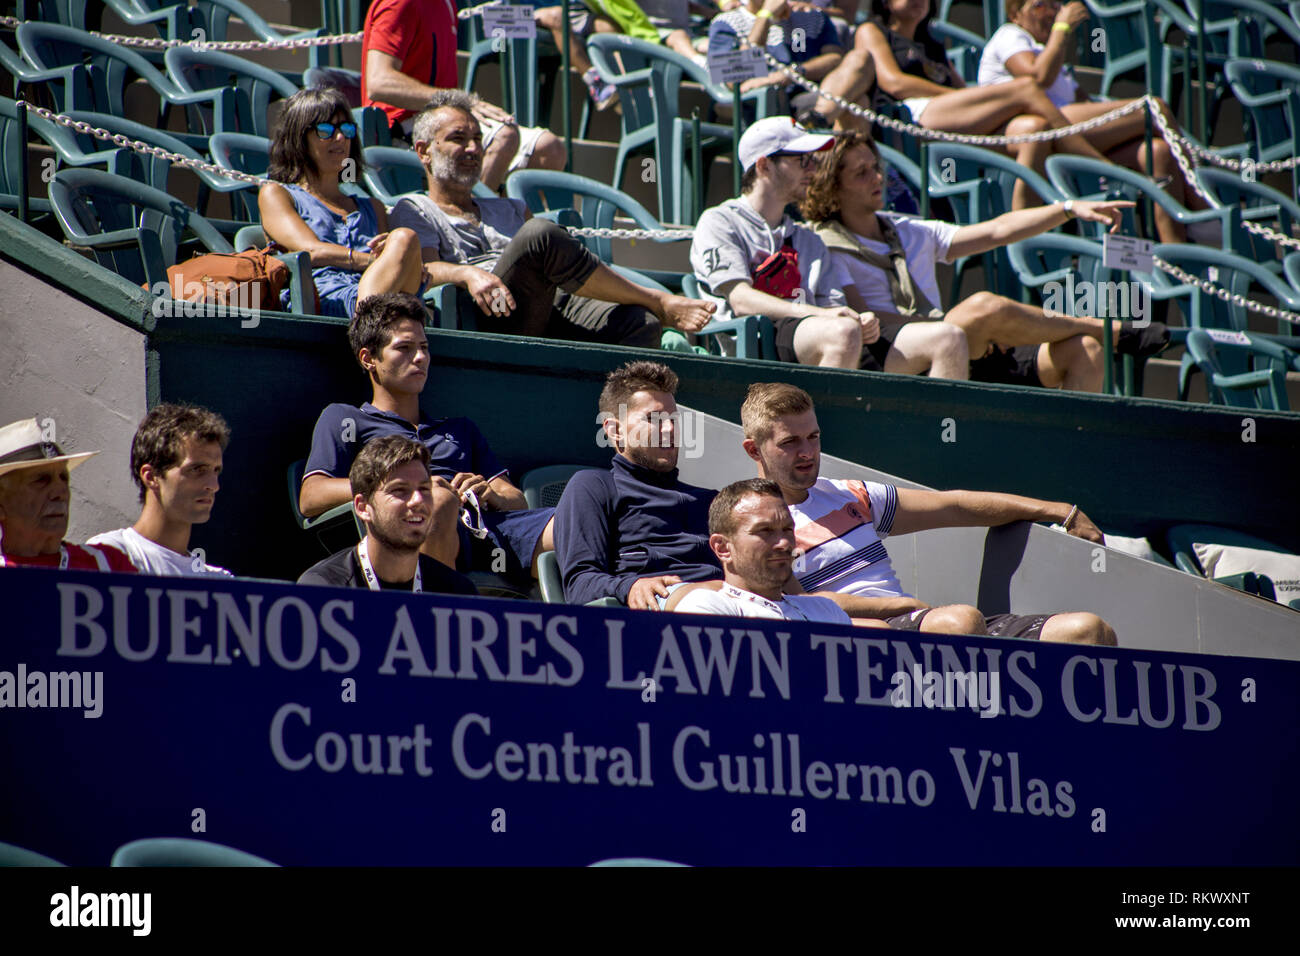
point(566, 98)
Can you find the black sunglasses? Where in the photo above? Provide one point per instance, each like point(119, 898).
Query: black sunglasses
point(806, 160)
point(327, 130)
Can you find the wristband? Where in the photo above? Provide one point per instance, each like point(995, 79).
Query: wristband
point(1070, 517)
point(350, 263)
point(1068, 208)
point(764, 14)
point(1061, 25)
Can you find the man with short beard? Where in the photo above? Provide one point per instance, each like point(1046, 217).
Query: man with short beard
point(635, 532)
point(528, 276)
point(393, 496)
point(752, 533)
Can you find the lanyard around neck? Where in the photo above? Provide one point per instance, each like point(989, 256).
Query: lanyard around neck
point(372, 579)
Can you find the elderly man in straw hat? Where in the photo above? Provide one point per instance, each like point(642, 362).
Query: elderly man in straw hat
point(34, 495)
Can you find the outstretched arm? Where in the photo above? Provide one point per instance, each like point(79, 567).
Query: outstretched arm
point(921, 510)
point(1013, 226)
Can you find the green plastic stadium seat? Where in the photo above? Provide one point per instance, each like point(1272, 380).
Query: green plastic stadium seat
point(596, 203)
point(136, 231)
point(636, 861)
point(1241, 369)
point(250, 87)
point(1182, 538)
point(754, 336)
point(11, 855)
point(648, 77)
point(336, 528)
point(978, 184)
point(84, 72)
point(1078, 177)
point(1236, 274)
point(174, 851)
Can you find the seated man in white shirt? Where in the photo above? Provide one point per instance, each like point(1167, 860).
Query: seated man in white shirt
point(175, 461)
point(752, 533)
point(839, 526)
point(888, 262)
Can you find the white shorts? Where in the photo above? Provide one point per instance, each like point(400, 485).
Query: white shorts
point(528, 137)
point(916, 106)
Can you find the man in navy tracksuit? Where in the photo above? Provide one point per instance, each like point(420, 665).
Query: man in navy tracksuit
point(635, 532)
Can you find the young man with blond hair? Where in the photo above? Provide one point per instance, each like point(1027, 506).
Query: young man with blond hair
point(840, 527)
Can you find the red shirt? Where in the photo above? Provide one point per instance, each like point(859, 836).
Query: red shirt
point(80, 558)
point(421, 34)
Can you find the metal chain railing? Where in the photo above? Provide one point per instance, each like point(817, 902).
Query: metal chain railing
point(1221, 293)
point(117, 139)
point(972, 139)
point(176, 159)
point(242, 46)
point(1230, 162)
point(1176, 143)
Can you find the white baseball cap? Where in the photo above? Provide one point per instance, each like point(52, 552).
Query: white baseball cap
point(778, 134)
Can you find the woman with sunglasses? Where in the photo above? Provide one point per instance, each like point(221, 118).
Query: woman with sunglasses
point(313, 152)
point(1032, 43)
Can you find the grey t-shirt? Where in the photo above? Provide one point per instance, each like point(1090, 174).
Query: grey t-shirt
point(731, 240)
point(457, 239)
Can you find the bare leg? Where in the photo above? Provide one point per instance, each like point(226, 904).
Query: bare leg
point(674, 310)
point(983, 109)
point(850, 80)
point(498, 156)
point(679, 41)
point(986, 317)
point(1078, 628)
point(954, 619)
point(545, 543)
point(397, 268)
point(549, 152)
point(1073, 364)
point(834, 342)
point(937, 348)
point(1030, 155)
point(443, 542)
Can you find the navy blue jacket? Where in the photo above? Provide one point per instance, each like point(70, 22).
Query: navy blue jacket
point(630, 522)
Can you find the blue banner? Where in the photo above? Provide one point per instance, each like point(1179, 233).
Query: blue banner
point(322, 726)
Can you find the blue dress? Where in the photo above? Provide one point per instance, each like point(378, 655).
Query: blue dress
point(337, 287)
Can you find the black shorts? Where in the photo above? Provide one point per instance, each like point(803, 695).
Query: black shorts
point(1013, 366)
point(1028, 626)
point(873, 355)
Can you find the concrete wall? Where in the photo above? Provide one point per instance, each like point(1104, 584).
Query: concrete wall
point(64, 360)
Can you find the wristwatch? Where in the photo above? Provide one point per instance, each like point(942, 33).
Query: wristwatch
point(1068, 206)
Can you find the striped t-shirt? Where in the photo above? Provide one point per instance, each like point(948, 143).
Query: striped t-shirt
point(838, 528)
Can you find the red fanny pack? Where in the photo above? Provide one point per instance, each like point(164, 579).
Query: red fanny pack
point(779, 274)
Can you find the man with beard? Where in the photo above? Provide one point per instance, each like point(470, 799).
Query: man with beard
point(635, 532)
point(752, 533)
point(393, 495)
point(751, 258)
point(528, 276)
point(840, 526)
